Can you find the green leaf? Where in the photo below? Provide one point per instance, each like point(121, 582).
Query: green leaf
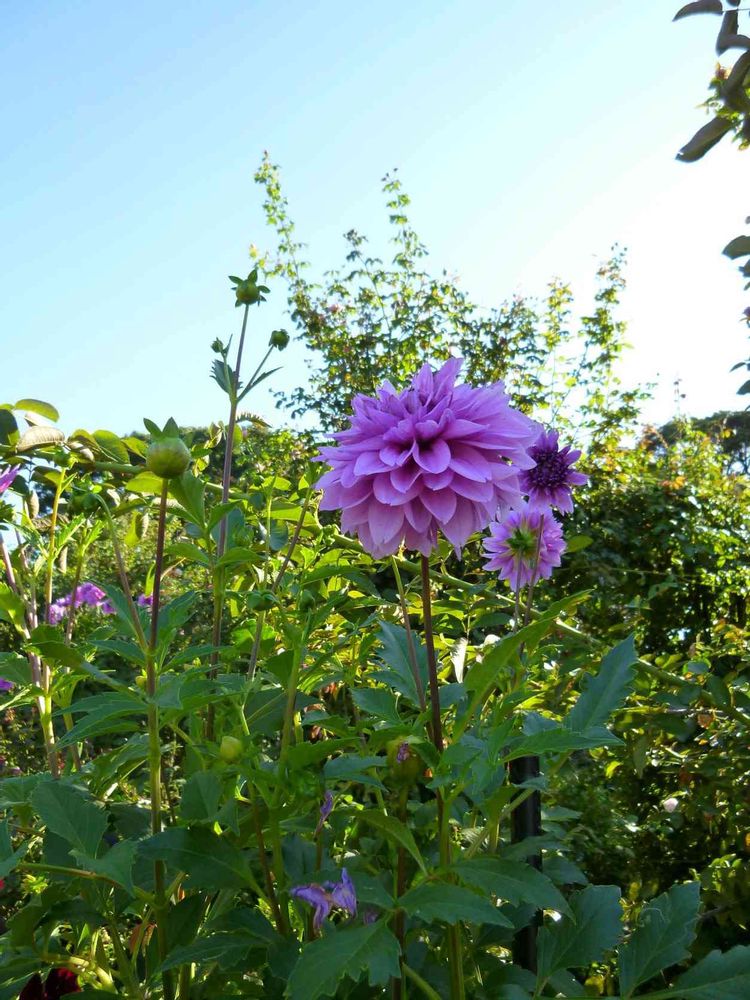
point(662, 936)
point(8, 426)
point(393, 830)
point(704, 139)
point(46, 410)
point(738, 247)
point(451, 903)
point(112, 447)
point(12, 607)
point(578, 542)
point(348, 952)
point(719, 976)
point(377, 702)
point(200, 797)
point(594, 929)
point(38, 437)
point(226, 948)
point(189, 492)
point(8, 857)
point(210, 861)
point(395, 655)
point(116, 864)
point(605, 691)
point(699, 7)
point(352, 767)
point(146, 483)
point(67, 812)
point(15, 668)
point(510, 880)
point(560, 740)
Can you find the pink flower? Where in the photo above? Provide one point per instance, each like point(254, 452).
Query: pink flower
point(525, 546)
point(8, 476)
point(435, 456)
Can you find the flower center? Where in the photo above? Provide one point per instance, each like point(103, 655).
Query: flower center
point(550, 471)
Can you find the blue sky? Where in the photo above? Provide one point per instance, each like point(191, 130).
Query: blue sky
point(531, 138)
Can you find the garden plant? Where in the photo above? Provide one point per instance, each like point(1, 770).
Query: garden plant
point(313, 736)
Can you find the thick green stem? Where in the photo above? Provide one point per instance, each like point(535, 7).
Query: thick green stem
point(154, 743)
point(454, 933)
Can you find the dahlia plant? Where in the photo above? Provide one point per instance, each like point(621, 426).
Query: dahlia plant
point(305, 764)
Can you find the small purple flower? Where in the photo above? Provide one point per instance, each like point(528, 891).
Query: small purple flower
point(344, 894)
point(323, 898)
point(550, 482)
point(90, 594)
point(8, 476)
point(107, 608)
point(435, 457)
point(525, 546)
point(57, 611)
point(145, 600)
point(404, 753)
point(325, 811)
point(6, 685)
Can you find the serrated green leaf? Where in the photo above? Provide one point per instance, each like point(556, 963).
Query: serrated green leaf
point(8, 857)
point(605, 691)
point(67, 812)
point(394, 653)
point(200, 797)
point(572, 943)
point(719, 976)
point(515, 882)
point(394, 830)
point(210, 861)
point(662, 936)
point(450, 904)
point(349, 952)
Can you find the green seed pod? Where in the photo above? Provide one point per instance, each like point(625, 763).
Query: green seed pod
point(230, 749)
point(279, 339)
point(167, 457)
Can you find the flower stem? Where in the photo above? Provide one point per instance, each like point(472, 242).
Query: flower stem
point(154, 741)
point(454, 932)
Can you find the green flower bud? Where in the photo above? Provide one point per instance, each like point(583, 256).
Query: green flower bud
point(279, 339)
point(247, 293)
point(167, 457)
point(307, 600)
point(230, 749)
point(261, 600)
point(404, 765)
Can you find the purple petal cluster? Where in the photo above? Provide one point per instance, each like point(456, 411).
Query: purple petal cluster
point(86, 593)
point(550, 482)
point(435, 457)
point(323, 898)
point(525, 546)
point(7, 477)
point(5, 685)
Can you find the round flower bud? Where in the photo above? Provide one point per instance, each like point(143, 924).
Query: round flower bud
point(167, 457)
point(247, 293)
point(141, 680)
point(279, 339)
point(261, 600)
point(404, 765)
point(307, 600)
point(230, 749)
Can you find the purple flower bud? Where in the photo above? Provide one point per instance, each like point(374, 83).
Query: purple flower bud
point(325, 811)
point(145, 600)
point(404, 753)
point(6, 685)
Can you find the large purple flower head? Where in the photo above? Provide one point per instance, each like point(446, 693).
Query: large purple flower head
point(435, 456)
point(525, 546)
point(550, 483)
point(8, 476)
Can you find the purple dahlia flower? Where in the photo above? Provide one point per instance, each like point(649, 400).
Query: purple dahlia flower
point(90, 594)
point(323, 898)
point(434, 456)
point(550, 483)
point(8, 476)
point(525, 546)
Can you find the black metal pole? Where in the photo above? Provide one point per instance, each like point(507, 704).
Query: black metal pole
point(526, 821)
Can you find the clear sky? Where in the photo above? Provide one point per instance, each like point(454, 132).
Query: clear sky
point(531, 137)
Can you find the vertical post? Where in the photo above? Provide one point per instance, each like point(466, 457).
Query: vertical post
point(526, 821)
